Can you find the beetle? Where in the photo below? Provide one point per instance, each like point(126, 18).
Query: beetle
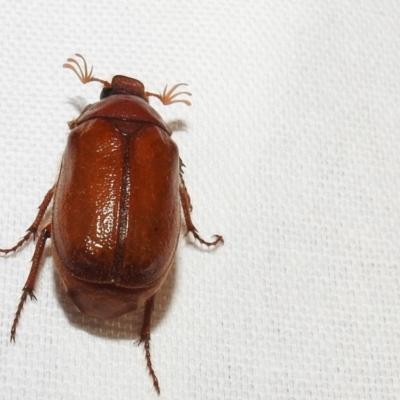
point(117, 205)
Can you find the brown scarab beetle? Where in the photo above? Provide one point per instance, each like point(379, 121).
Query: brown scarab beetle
point(116, 214)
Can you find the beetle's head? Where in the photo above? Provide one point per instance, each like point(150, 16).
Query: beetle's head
point(124, 85)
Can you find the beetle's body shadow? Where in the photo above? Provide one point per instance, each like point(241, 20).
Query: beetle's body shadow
point(126, 326)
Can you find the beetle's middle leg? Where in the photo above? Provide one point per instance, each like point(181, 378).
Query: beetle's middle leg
point(32, 277)
point(187, 208)
point(32, 230)
point(145, 338)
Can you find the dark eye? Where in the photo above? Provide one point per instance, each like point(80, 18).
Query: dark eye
point(107, 91)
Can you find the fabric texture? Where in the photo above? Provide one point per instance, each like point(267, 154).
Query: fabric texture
point(291, 148)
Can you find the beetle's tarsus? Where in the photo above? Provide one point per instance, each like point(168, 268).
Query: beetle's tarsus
point(21, 242)
point(32, 277)
point(219, 239)
point(30, 293)
point(25, 292)
point(30, 231)
point(187, 208)
point(33, 229)
point(145, 339)
point(146, 345)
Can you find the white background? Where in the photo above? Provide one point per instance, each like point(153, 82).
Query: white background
point(292, 153)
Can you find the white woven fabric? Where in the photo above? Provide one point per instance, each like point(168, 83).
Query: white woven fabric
point(292, 149)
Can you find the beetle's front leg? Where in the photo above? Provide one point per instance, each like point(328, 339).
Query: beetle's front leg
point(187, 208)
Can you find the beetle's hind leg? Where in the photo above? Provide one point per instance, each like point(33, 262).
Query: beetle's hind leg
point(35, 225)
point(187, 208)
point(145, 339)
point(32, 277)
point(44, 235)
